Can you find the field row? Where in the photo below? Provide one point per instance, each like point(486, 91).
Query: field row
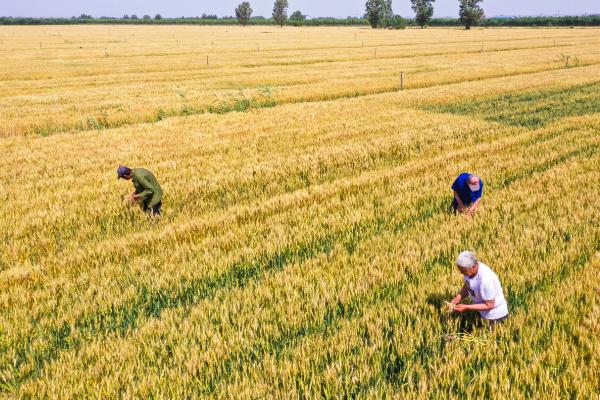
point(375, 257)
point(306, 246)
point(128, 277)
point(248, 164)
point(103, 92)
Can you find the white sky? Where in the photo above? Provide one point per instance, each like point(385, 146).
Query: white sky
point(314, 8)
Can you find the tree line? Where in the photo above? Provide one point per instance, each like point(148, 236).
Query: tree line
point(567, 21)
point(228, 20)
point(378, 14)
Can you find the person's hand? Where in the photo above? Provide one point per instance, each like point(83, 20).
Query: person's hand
point(132, 198)
point(449, 306)
point(460, 308)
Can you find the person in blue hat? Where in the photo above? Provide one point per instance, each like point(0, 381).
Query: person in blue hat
point(468, 189)
point(148, 192)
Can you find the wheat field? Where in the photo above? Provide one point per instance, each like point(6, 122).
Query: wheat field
point(305, 248)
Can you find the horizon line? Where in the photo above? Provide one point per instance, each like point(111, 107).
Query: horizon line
point(312, 17)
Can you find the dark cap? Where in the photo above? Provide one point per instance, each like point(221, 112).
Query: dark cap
point(123, 171)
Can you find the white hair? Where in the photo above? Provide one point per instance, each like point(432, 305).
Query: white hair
point(474, 176)
point(466, 260)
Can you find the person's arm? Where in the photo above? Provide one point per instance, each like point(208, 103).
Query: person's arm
point(461, 295)
point(476, 201)
point(148, 189)
point(461, 205)
point(455, 187)
point(485, 306)
point(473, 207)
point(487, 292)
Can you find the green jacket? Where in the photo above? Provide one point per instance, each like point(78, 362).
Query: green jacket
point(147, 187)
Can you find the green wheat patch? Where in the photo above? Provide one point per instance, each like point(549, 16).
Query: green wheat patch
point(531, 109)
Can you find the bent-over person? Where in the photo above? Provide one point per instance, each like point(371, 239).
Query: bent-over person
point(468, 189)
point(482, 285)
point(148, 192)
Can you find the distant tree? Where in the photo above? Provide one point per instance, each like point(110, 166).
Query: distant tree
point(146, 16)
point(280, 11)
point(243, 13)
point(158, 16)
point(372, 12)
point(387, 14)
point(297, 17)
point(379, 13)
point(85, 16)
point(133, 16)
point(398, 22)
point(125, 16)
point(423, 11)
point(469, 12)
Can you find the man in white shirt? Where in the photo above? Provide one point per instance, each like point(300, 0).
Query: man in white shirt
point(482, 285)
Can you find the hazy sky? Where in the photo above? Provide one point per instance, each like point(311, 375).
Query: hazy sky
point(315, 8)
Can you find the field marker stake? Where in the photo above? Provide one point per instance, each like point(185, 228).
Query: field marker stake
point(401, 80)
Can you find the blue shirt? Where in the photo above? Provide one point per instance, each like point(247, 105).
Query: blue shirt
point(461, 186)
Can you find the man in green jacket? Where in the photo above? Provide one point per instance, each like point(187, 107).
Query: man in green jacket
point(148, 192)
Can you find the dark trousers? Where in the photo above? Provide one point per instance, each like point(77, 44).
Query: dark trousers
point(155, 209)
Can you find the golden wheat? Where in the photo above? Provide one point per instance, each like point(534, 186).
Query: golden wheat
point(305, 249)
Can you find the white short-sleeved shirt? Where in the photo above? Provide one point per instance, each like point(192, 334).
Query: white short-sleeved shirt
point(486, 286)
